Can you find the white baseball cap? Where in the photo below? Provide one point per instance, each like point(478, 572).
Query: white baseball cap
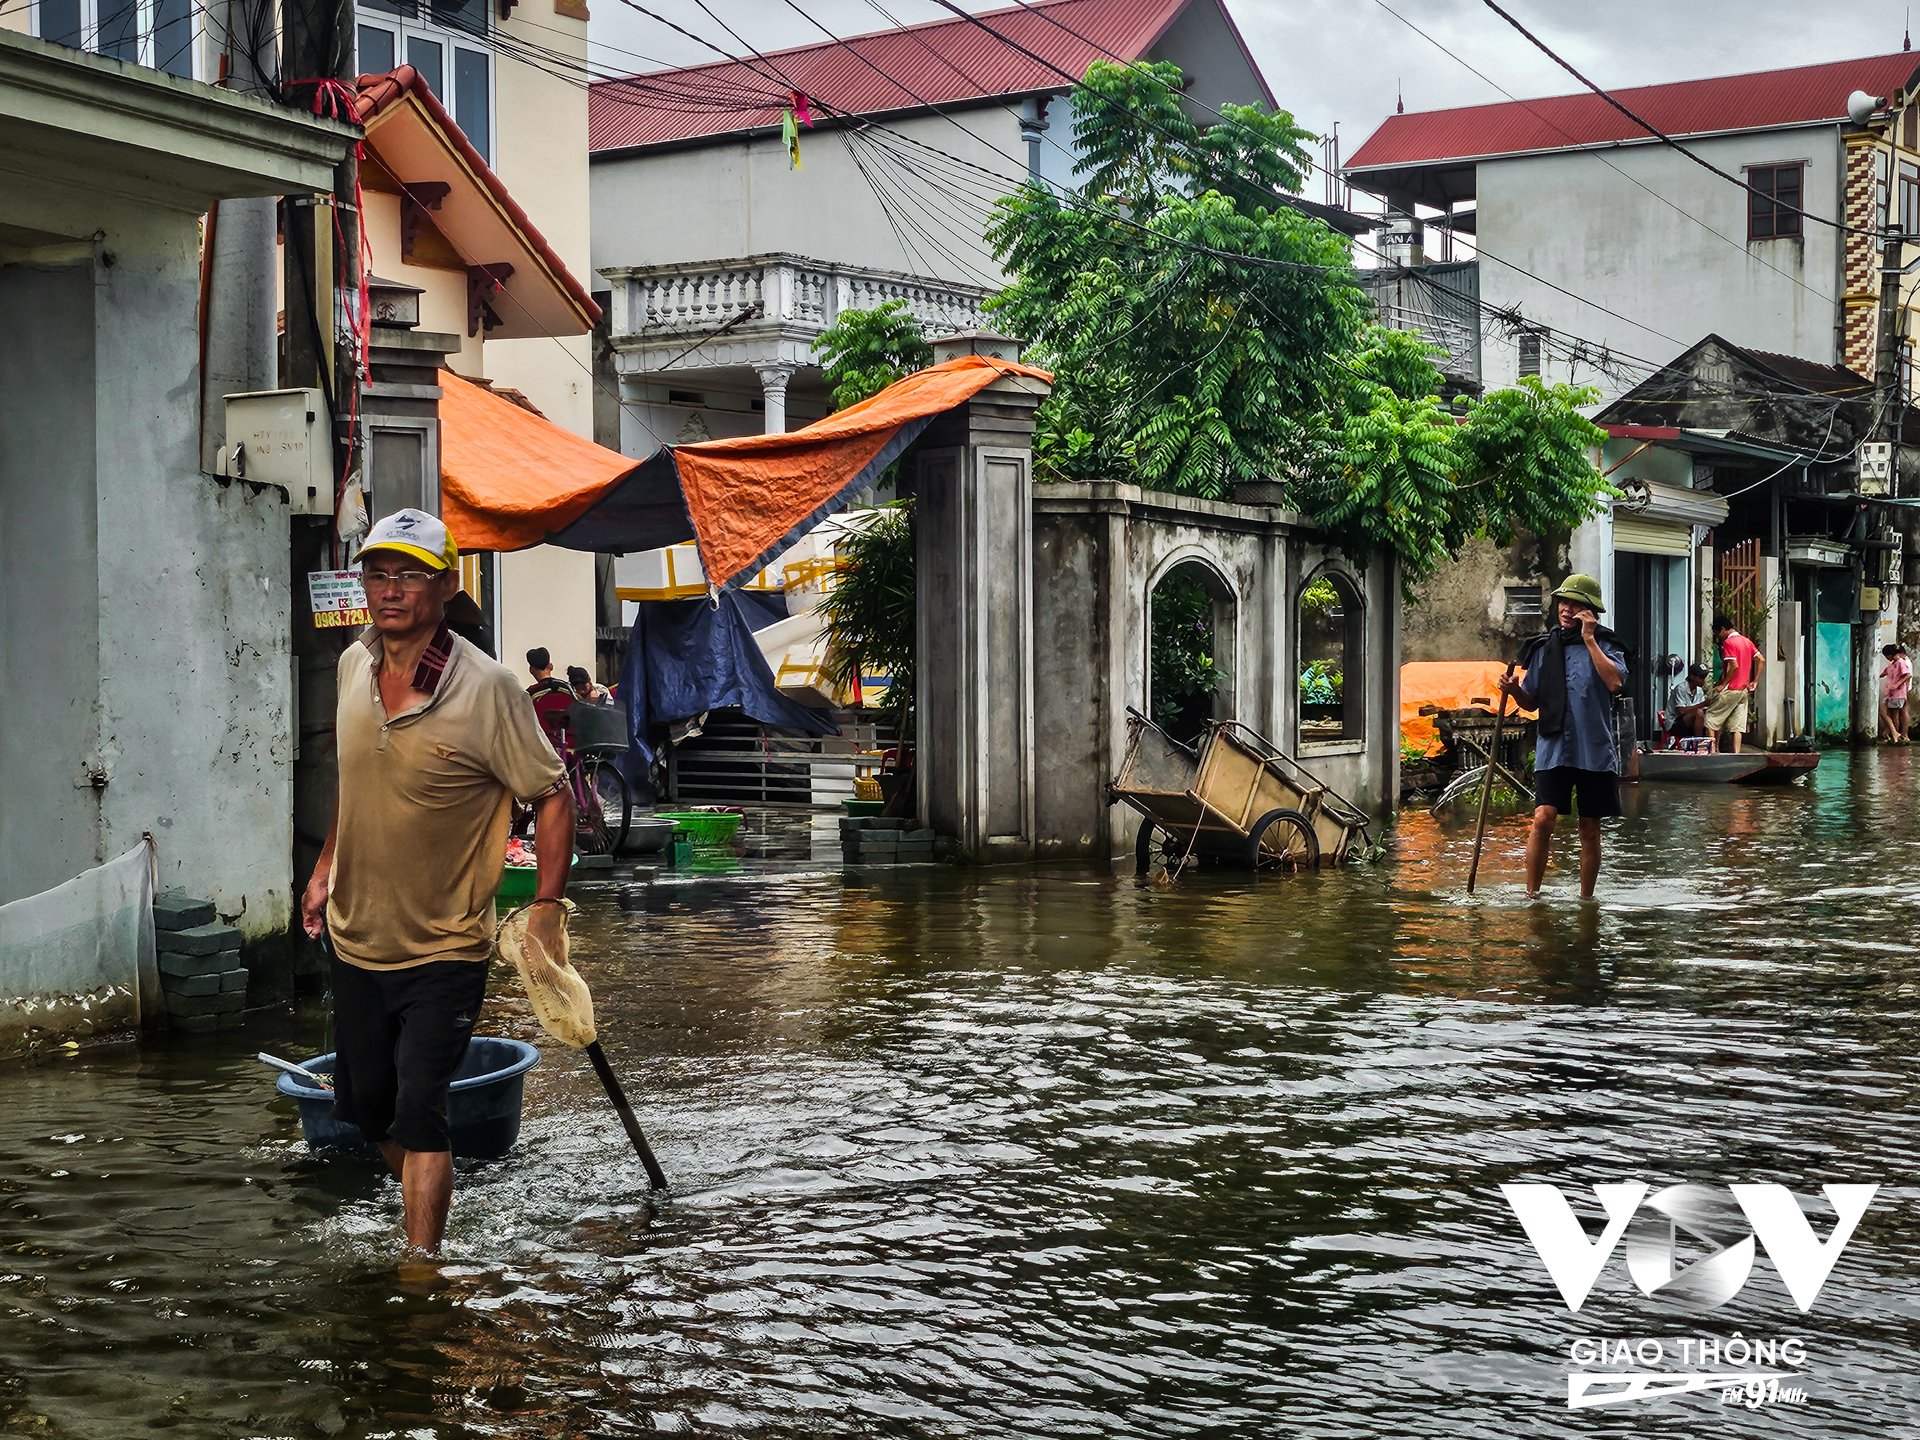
point(415, 533)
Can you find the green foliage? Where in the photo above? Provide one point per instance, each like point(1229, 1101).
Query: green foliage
point(1321, 682)
point(869, 612)
point(1203, 335)
point(1180, 647)
point(867, 350)
point(1319, 597)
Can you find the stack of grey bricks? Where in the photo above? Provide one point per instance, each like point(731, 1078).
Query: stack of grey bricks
point(200, 967)
point(882, 840)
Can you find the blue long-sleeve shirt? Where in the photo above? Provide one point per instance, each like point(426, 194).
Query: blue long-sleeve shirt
point(1585, 742)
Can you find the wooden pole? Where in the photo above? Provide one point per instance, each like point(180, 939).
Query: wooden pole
point(1486, 785)
point(656, 1177)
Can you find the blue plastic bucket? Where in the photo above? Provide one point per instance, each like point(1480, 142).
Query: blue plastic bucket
point(483, 1103)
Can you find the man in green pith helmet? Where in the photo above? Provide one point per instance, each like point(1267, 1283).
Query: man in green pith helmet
point(1573, 673)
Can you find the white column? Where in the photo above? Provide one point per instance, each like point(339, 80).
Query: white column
point(773, 385)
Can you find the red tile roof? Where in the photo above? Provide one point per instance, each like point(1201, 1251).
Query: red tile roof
point(941, 62)
point(1765, 100)
point(376, 95)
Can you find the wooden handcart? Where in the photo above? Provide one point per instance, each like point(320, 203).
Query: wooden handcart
point(1235, 799)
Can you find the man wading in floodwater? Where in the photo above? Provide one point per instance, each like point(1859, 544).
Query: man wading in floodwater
point(435, 741)
point(1573, 672)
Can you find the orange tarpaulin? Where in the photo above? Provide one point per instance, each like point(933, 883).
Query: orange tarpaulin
point(748, 497)
point(507, 476)
point(511, 480)
point(1450, 685)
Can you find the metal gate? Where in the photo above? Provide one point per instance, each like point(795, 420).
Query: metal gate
point(738, 761)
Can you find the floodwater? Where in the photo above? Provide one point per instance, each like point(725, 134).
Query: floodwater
point(1040, 1154)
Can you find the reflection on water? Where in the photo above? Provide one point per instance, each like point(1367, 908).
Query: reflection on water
point(1036, 1154)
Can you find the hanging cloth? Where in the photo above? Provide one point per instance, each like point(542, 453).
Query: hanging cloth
point(790, 134)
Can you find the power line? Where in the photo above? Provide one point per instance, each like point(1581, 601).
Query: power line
point(1556, 339)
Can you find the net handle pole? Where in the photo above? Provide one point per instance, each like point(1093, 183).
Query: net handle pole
point(1486, 785)
point(656, 1177)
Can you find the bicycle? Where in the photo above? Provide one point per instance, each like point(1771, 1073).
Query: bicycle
point(588, 739)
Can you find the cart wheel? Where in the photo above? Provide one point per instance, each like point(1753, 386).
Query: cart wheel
point(1143, 847)
point(1282, 840)
point(1152, 839)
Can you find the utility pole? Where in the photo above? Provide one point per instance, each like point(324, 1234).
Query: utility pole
point(320, 350)
point(322, 235)
point(239, 344)
point(1892, 405)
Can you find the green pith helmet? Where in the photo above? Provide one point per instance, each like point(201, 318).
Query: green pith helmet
point(1583, 588)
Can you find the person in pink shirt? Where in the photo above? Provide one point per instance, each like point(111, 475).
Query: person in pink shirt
point(1897, 677)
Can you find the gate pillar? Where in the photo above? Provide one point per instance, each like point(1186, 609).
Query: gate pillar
point(973, 672)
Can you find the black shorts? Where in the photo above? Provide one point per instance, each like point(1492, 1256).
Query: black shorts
point(401, 1035)
point(1599, 791)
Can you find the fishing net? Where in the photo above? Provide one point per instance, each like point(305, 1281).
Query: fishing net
point(560, 997)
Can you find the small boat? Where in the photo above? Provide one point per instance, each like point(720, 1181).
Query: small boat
point(1749, 767)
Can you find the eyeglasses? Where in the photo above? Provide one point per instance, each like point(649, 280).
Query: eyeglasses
point(406, 579)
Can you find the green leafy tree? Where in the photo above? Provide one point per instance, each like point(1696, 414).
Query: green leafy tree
point(1180, 651)
point(864, 351)
point(869, 612)
point(1203, 334)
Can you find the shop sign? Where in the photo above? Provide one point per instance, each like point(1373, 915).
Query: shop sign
point(338, 599)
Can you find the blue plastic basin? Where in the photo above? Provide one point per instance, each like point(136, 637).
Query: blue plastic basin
point(483, 1103)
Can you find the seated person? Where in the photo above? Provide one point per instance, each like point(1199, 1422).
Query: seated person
point(584, 687)
point(1687, 703)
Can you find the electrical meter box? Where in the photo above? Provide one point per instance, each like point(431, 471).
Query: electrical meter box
point(281, 437)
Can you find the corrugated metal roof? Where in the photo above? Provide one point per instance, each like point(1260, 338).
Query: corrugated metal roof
point(1765, 100)
point(939, 62)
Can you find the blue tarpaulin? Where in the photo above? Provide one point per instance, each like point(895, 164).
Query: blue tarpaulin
point(686, 657)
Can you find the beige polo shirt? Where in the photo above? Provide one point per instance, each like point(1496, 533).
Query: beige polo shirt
point(425, 798)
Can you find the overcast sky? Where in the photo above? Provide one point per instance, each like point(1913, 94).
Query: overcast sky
point(1329, 60)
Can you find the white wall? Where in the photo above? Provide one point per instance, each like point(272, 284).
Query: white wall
point(735, 197)
point(546, 599)
point(1570, 219)
point(547, 595)
point(182, 660)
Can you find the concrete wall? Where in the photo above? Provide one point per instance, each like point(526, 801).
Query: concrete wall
point(1203, 44)
point(1596, 232)
point(191, 680)
point(49, 584)
point(1459, 613)
point(547, 599)
point(1099, 550)
point(547, 595)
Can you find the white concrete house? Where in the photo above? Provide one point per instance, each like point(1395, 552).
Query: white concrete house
point(1576, 212)
point(724, 263)
point(145, 606)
